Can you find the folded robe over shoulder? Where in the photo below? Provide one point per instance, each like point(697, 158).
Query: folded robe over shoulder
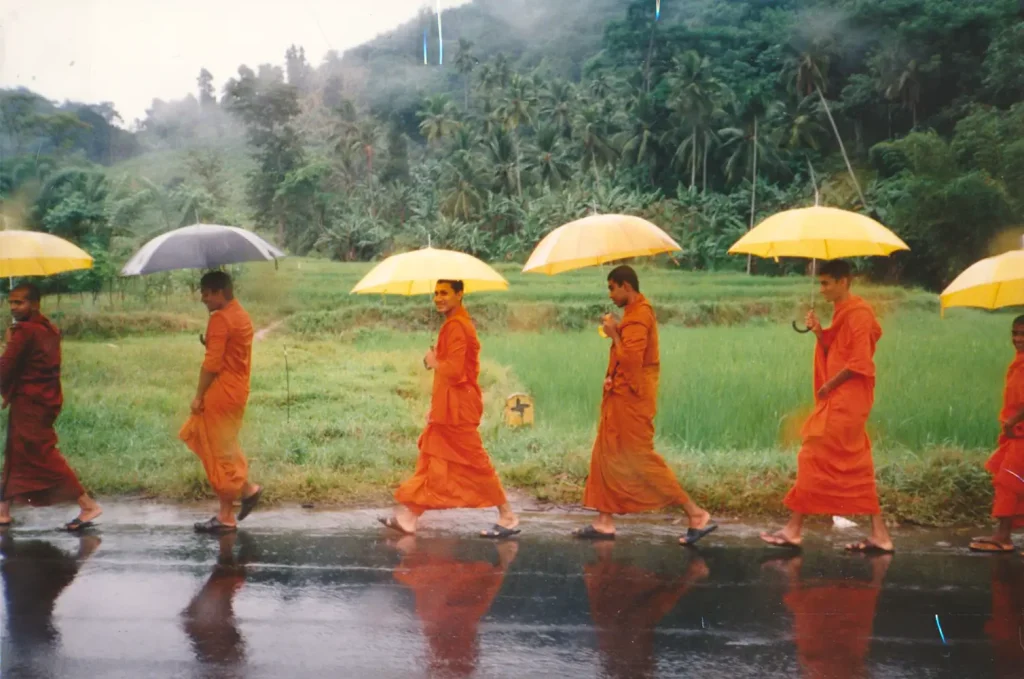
point(213, 434)
point(626, 474)
point(454, 469)
point(1007, 463)
point(835, 471)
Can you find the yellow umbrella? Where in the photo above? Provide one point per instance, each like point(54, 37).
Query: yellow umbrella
point(416, 273)
point(991, 283)
point(818, 233)
point(597, 239)
point(31, 253)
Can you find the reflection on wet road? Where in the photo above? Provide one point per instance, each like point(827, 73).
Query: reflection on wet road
point(318, 594)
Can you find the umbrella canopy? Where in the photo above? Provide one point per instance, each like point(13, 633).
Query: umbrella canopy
point(417, 272)
point(818, 233)
point(597, 239)
point(200, 246)
point(991, 283)
point(30, 253)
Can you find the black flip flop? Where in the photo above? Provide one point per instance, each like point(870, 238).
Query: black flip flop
point(76, 525)
point(499, 532)
point(214, 527)
point(249, 504)
point(694, 535)
point(591, 533)
point(392, 523)
point(866, 546)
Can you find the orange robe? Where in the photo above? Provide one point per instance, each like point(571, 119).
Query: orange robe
point(213, 434)
point(1007, 464)
point(451, 597)
point(1006, 625)
point(626, 604)
point(835, 472)
point(454, 469)
point(832, 625)
point(626, 475)
point(34, 470)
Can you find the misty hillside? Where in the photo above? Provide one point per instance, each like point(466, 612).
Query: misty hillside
point(705, 121)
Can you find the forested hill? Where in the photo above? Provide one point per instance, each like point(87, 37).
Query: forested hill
point(706, 119)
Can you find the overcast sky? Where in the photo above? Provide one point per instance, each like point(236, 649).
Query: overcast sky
point(132, 51)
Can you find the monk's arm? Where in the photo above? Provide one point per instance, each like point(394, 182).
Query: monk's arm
point(840, 377)
point(454, 362)
point(216, 339)
point(629, 345)
point(11, 362)
point(1011, 424)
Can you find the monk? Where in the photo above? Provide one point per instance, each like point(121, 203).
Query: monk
point(452, 595)
point(835, 472)
point(453, 469)
point(626, 474)
point(833, 620)
point(1007, 464)
point(34, 471)
point(626, 605)
point(218, 408)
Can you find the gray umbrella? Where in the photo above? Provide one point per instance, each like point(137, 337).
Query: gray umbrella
point(200, 246)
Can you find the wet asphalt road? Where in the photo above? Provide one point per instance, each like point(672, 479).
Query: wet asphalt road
point(329, 594)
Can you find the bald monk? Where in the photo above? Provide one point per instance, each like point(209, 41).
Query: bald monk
point(1007, 464)
point(34, 471)
point(835, 472)
point(218, 408)
point(626, 475)
point(626, 605)
point(452, 595)
point(833, 620)
point(453, 469)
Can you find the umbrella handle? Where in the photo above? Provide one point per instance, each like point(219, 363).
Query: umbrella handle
point(802, 331)
point(202, 339)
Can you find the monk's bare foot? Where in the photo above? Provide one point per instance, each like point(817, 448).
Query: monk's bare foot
point(507, 550)
point(697, 570)
point(869, 546)
point(996, 544)
point(700, 520)
point(87, 544)
point(786, 565)
point(90, 514)
point(405, 544)
point(781, 538)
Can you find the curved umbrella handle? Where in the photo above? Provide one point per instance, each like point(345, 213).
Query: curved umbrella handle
point(202, 339)
point(802, 331)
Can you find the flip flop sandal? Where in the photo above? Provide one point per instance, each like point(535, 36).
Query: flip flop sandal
point(499, 532)
point(999, 548)
point(777, 540)
point(249, 504)
point(868, 547)
point(694, 535)
point(76, 525)
point(591, 533)
point(214, 527)
point(392, 523)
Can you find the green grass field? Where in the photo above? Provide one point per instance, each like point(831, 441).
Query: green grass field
point(734, 386)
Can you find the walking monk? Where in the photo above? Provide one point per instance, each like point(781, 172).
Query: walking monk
point(454, 469)
point(626, 475)
point(34, 471)
point(1007, 464)
point(219, 406)
point(835, 472)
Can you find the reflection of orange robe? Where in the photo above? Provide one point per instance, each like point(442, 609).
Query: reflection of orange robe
point(454, 469)
point(209, 619)
point(1006, 626)
point(626, 604)
point(1007, 464)
point(833, 625)
point(213, 434)
point(626, 475)
point(835, 472)
point(451, 597)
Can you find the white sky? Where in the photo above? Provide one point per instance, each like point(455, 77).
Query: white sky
point(132, 51)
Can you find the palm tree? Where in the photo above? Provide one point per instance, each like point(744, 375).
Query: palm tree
point(547, 160)
point(696, 97)
point(557, 101)
point(519, 104)
point(462, 197)
point(638, 142)
point(437, 118)
point(503, 156)
point(594, 140)
point(465, 62)
point(799, 125)
point(366, 137)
